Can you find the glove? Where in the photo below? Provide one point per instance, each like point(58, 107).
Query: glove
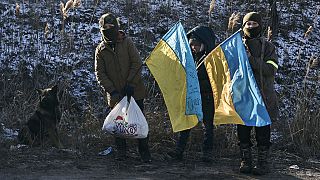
point(115, 97)
point(128, 90)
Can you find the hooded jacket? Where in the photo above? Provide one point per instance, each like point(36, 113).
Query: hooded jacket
point(119, 64)
point(206, 36)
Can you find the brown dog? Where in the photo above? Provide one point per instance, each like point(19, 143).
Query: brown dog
point(42, 125)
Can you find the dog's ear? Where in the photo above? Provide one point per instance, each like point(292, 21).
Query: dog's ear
point(54, 89)
point(40, 91)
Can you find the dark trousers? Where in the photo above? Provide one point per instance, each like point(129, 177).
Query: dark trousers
point(262, 135)
point(208, 114)
point(142, 143)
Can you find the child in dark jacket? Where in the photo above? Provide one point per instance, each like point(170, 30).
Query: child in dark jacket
point(264, 64)
point(202, 41)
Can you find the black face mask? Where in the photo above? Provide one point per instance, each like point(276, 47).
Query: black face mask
point(110, 35)
point(198, 55)
point(252, 33)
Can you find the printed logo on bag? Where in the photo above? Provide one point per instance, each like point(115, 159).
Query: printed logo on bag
point(119, 118)
point(123, 128)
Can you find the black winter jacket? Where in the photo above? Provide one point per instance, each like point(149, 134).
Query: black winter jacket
point(208, 38)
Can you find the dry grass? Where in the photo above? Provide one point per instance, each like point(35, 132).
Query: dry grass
point(233, 21)
point(211, 7)
point(64, 8)
point(308, 32)
point(314, 61)
point(17, 11)
point(269, 35)
point(76, 3)
point(304, 128)
point(46, 30)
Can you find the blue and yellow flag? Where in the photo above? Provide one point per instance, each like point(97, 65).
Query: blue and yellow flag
point(236, 95)
point(173, 67)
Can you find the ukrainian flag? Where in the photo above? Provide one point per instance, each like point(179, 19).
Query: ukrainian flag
point(236, 94)
point(173, 67)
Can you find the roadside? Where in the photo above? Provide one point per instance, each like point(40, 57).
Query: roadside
point(51, 163)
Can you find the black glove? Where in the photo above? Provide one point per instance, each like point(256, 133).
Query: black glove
point(115, 97)
point(128, 90)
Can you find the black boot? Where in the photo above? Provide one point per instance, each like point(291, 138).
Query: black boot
point(262, 166)
point(177, 154)
point(121, 149)
point(144, 150)
point(246, 158)
point(207, 155)
point(207, 148)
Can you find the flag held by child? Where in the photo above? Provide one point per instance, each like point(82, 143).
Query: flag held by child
point(236, 95)
point(173, 67)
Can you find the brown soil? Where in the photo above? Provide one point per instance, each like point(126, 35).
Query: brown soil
point(51, 163)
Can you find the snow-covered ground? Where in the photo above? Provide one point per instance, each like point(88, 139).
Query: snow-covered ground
point(63, 53)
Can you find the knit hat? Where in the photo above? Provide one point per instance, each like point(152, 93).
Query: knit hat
point(108, 21)
point(252, 16)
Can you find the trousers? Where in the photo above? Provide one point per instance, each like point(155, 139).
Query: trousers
point(262, 135)
point(208, 114)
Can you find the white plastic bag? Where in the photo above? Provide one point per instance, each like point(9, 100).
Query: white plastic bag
point(126, 120)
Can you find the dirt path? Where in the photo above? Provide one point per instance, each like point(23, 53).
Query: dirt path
point(37, 163)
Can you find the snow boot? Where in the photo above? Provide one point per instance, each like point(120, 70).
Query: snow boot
point(262, 166)
point(121, 149)
point(144, 150)
point(246, 159)
point(177, 154)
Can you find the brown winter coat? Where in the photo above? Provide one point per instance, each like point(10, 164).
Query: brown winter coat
point(115, 68)
point(264, 63)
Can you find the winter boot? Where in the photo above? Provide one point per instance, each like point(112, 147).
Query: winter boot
point(246, 158)
point(121, 149)
point(144, 150)
point(207, 147)
point(177, 154)
point(262, 166)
